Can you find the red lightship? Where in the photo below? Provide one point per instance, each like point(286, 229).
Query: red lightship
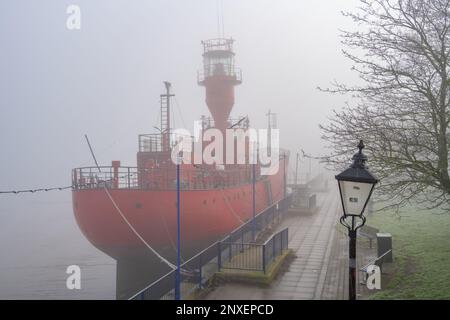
point(214, 199)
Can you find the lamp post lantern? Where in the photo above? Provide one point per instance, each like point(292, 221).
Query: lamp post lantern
point(356, 184)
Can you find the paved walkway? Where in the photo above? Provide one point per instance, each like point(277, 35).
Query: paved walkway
point(311, 237)
point(336, 280)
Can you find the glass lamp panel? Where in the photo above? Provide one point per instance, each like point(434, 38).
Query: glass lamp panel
point(354, 196)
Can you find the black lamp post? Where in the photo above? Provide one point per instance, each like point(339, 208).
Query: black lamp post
point(355, 187)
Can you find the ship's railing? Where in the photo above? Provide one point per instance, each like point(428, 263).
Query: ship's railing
point(158, 178)
point(153, 142)
point(217, 44)
point(150, 142)
point(198, 270)
point(108, 176)
point(251, 256)
point(237, 123)
point(220, 69)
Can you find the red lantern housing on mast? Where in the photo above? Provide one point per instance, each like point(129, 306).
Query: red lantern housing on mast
point(219, 77)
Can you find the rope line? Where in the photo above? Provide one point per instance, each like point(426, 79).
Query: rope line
point(171, 265)
point(72, 187)
point(172, 242)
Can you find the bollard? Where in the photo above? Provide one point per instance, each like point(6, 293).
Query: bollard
point(384, 244)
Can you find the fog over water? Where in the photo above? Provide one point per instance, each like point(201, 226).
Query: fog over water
point(105, 80)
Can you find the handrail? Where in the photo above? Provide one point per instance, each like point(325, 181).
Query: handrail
point(238, 123)
point(215, 44)
point(253, 243)
point(150, 285)
point(158, 178)
point(254, 256)
point(182, 265)
point(228, 71)
point(205, 263)
point(153, 142)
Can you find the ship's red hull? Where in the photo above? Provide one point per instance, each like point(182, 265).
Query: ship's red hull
point(206, 215)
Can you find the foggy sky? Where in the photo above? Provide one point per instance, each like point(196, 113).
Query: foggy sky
point(105, 80)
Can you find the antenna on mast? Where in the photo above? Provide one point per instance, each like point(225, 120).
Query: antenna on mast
point(223, 23)
point(271, 120)
point(271, 124)
point(220, 19)
point(165, 117)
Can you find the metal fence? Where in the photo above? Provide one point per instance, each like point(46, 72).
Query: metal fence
point(274, 247)
point(153, 142)
point(199, 269)
point(150, 142)
point(118, 177)
point(252, 256)
point(228, 70)
point(109, 176)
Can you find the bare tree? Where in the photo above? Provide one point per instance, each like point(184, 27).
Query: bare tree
point(401, 54)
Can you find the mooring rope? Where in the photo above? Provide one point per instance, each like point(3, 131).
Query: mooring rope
point(124, 218)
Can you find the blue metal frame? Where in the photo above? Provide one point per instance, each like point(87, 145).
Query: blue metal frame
point(254, 200)
point(177, 274)
point(265, 253)
point(195, 270)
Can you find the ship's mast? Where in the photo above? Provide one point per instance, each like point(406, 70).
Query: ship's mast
point(165, 117)
point(271, 124)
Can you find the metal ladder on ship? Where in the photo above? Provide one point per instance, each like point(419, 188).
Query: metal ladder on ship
point(165, 117)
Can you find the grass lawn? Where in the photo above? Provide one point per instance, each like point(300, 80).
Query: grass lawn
point(421, 249)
